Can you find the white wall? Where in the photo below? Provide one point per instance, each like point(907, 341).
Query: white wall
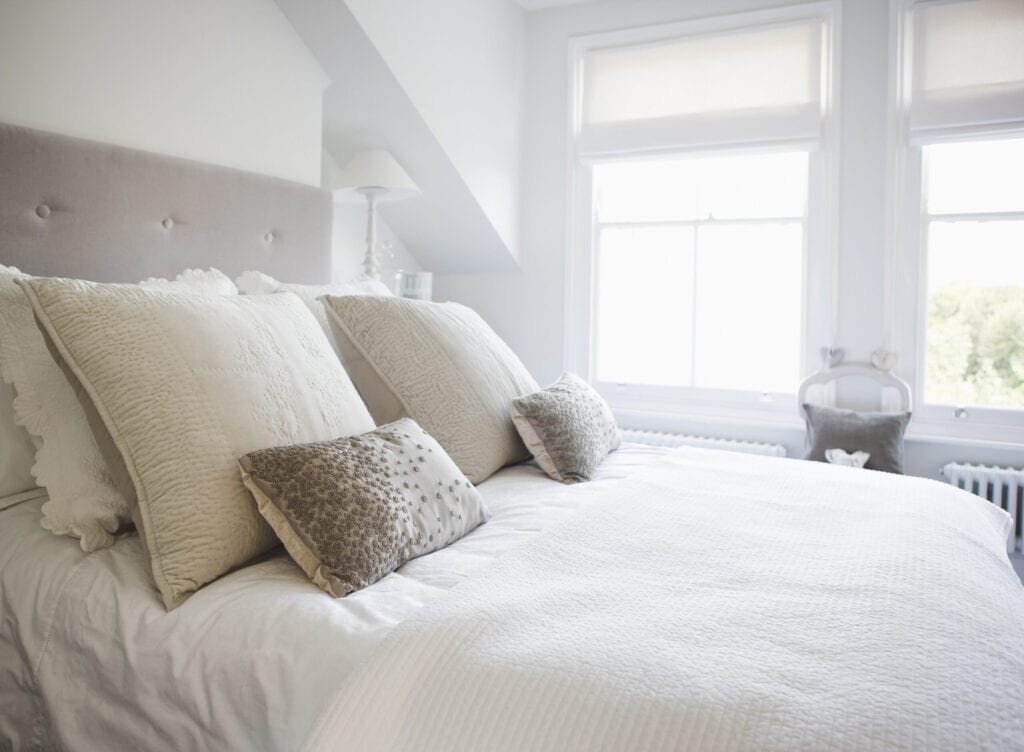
point(527, 307)
point(227, 82)
point(460, 62)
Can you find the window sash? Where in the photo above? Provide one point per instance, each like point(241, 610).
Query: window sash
point(927, 220)
point(908, 306)
point(696, 363)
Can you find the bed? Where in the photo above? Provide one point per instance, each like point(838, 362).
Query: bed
point(683, 599)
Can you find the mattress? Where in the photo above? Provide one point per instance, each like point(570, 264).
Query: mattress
point(90, 659)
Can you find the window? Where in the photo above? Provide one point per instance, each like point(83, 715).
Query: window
point(703, 256)
point(974, 240)
point(959, 250)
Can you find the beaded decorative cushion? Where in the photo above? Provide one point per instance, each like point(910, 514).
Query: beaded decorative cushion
point(568, 427)
point(351, 510)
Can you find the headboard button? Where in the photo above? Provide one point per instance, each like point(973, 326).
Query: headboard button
point(43, 211)
point(269, 237)
point(168, 223)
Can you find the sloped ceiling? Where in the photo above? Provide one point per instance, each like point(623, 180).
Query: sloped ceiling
point(366, 107)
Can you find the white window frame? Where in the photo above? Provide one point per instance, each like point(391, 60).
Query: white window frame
point(907, 285)
point(819, 305)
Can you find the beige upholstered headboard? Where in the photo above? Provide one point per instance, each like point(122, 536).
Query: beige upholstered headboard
point(75, 208)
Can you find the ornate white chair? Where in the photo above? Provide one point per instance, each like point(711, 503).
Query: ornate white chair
point(819, 387)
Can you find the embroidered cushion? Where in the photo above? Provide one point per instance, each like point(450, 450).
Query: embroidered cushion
point(185, 384)
point(351, 510)
point(568, 428)
point(84, 500)
point(441, 365)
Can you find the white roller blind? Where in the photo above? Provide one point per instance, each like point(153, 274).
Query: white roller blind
point(968, 62)
point(727, 86)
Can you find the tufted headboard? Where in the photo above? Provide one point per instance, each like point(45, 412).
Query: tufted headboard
point(75, 208)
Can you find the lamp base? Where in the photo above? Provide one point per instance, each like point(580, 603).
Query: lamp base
point(372, 193)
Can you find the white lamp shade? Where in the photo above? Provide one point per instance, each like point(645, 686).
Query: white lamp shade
point(374, 171)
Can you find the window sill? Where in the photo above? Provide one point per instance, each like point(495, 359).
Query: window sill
point(924, 437)
point(779, 422)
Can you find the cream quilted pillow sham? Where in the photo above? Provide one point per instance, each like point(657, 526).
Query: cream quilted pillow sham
point(441, 365)
point(83, 499)
point(185, 384)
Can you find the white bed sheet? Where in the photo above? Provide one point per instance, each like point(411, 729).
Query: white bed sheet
point(89, 658)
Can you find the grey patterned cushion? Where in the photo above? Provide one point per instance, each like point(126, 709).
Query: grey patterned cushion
point(350, 511)
point(878, 434)
point(568, 427)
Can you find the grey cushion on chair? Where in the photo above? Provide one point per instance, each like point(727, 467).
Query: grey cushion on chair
point(879, 434)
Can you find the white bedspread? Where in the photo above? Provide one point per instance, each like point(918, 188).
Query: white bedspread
point(717, 602)
point(90, 660)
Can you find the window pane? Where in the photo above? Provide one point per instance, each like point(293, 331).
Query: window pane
point(645, 305)
point(646, 191)
point(749, 281)
point(753, 186)
point(975, 176)
point(975, 325)
point(746, 186)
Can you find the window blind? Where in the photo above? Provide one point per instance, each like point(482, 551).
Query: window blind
point(967, 63)
point(753, 84)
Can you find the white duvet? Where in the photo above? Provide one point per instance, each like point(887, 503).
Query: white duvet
point(717, 602)
point(685, 598)
point(90, 659)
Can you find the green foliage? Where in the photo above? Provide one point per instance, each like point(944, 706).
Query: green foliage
point(976, 345)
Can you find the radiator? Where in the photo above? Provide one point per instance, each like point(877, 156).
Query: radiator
point(1003, 486)
point(656, 438)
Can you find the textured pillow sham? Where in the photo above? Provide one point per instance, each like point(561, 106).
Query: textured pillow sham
point(441, 365)
point(351, 510)
point(568, 427)
point(258, 283)
point(185, 384)
point(84, 501)
point(878, 434)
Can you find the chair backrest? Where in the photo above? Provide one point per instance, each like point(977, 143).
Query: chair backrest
point(884, 379)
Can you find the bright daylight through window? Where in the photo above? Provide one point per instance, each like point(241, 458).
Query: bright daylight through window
point(974, 236)
point(702, 256)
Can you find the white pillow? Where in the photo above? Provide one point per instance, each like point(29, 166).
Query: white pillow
point(185, 384)
point(208, 281)
point(258, 283)
point(84, 500)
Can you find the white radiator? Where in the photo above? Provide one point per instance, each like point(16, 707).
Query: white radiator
point(1003, 486)
point(656, 438)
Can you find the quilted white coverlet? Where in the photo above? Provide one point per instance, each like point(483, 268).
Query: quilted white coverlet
point(91, 660)
point(717, 601)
